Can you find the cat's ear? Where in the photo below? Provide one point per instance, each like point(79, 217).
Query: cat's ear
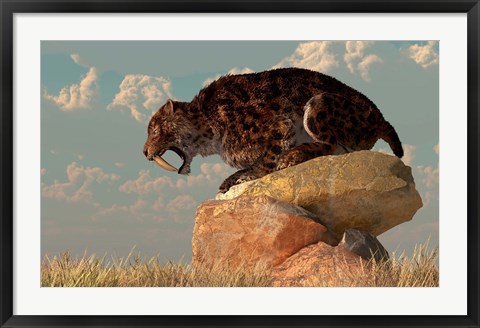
point(168, 107)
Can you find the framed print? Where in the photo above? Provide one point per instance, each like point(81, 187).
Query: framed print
point(239, 163)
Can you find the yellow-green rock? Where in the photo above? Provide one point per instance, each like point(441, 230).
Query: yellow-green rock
point(364, 190)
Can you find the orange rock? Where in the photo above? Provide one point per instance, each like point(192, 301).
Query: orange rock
point(325, 265)
point(250, 231)
point(317, 265)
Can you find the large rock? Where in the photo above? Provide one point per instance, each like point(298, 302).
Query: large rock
point(364, 190)
point(252, 231)
point(324, 265)
point(364, 244)
point(316, 265)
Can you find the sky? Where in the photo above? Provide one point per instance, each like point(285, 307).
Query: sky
point(101, 196)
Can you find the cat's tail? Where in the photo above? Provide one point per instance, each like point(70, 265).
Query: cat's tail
point(390, 136)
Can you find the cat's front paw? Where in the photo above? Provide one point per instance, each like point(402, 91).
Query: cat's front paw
point(237, 178)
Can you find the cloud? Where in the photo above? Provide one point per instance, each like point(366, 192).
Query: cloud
point(43, 171)
point(142, 95)
point(148, 208)
point(165, 199)
point(158, 204)
point(317, 55)
point(145, 184)
point(427, 198)
point(75, 58)
point(425, 55)
point(181, 203)
point(429, 175)
point(323, 56)
point(237, 70)
point(77, 96)
point(211, 174)
point(354, 51)
point(120, 164)
point(181, 209)
point(79, 156)
point(79, 182)
point(366, 63)
point(409, 154)
point(137, 211)
point(233, 71)
point(357, 61)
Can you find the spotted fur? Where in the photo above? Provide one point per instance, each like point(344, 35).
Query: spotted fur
point(267, 121)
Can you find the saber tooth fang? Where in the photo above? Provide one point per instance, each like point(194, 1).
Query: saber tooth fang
point(164, 164)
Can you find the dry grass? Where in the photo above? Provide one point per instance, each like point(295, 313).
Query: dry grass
point(420, 270)
point(132, 271)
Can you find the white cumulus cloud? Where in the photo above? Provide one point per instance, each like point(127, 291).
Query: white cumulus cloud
point(424, 55)
point(77, 188)
point(142, 95)
point(316, 55)
point(79, 60)
point(357, 61)
point(77, 96)
point(136, 211)
point(211, 174)
point(181, 203)
point(429, 175)
point(233, 71)
point(145, 184)
point(75, 58)
point(408, 154)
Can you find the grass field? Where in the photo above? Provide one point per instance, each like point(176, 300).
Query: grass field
point(418, 270)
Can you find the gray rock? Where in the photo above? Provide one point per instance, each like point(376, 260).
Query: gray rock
point(364, 244)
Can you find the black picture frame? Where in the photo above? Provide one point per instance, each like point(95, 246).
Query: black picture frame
point(11, 7)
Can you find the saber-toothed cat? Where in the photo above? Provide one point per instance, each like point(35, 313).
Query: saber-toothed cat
point(263, 122)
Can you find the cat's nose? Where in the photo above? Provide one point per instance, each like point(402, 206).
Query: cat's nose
point(146, 152)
